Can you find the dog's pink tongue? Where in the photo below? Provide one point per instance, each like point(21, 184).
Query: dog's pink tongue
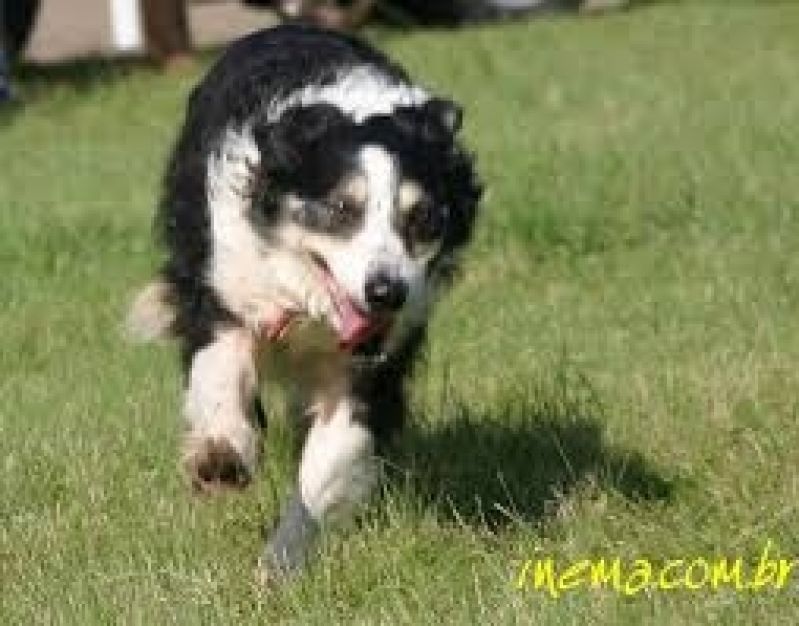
point(354, 326)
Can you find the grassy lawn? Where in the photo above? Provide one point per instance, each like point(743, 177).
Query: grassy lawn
point(614, 374)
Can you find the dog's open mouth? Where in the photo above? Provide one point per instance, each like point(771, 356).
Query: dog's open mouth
point(354, 328)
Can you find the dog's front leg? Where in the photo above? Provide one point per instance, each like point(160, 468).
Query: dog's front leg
point(222, 445)
point(337, 471)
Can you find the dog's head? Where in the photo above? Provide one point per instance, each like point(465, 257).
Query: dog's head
point(378, 207)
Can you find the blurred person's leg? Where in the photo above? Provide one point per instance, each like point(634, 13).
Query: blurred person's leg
point(166, 29)
point(325, 13)
point(337, 16)
point(5, 74)
point(349, 17)
point(5, 78)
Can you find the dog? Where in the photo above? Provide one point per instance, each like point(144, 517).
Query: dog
point(315, 202)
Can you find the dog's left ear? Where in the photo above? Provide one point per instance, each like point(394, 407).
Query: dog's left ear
point(446, 113)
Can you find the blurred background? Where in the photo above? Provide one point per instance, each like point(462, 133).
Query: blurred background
point(51, 30)
point(76, 28)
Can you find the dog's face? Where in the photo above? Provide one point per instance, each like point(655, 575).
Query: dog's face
point(376, 231)
point(376, 207)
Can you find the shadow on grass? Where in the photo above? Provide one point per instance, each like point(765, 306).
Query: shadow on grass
point(84, 75)
point(514, 464)
point(81, 74)
point(37, 81)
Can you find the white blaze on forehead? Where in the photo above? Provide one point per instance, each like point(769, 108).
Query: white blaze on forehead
point(379, 235)
point(380, 245)
point(377, 243)
point(380, 169)
point(359, 92)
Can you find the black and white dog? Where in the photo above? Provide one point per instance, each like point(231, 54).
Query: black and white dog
point(314, 201)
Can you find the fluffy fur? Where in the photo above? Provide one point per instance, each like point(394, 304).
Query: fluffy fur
point(314, 200)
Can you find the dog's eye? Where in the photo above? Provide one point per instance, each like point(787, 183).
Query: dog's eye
point(340, 207)
point(425, 222)
point(341, 214)
point(343, 209)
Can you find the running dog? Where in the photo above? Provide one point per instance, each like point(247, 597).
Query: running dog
point(314, 203)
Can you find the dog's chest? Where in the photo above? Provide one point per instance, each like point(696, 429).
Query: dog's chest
point(306, 358)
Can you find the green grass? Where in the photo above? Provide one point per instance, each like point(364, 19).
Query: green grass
point(615, 373)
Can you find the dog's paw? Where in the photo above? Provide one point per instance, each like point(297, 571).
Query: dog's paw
point(286, 553)
point(213, 465)
point(270, 575)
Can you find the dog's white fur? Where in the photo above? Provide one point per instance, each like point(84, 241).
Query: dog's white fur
point(359, 92)
point(338, 468)
point(222, 384)
point(254, 278)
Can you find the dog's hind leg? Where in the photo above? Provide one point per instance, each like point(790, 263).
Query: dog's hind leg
point(338, 470)
point(223, 411)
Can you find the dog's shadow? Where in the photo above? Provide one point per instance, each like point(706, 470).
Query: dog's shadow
point(495, 468)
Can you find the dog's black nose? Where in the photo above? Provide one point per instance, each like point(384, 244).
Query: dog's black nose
point(385, 293)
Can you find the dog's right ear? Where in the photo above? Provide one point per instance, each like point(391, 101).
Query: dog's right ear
point(446, 113)
point(300, 130)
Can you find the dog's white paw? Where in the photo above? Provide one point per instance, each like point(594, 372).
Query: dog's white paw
point(212, 465)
